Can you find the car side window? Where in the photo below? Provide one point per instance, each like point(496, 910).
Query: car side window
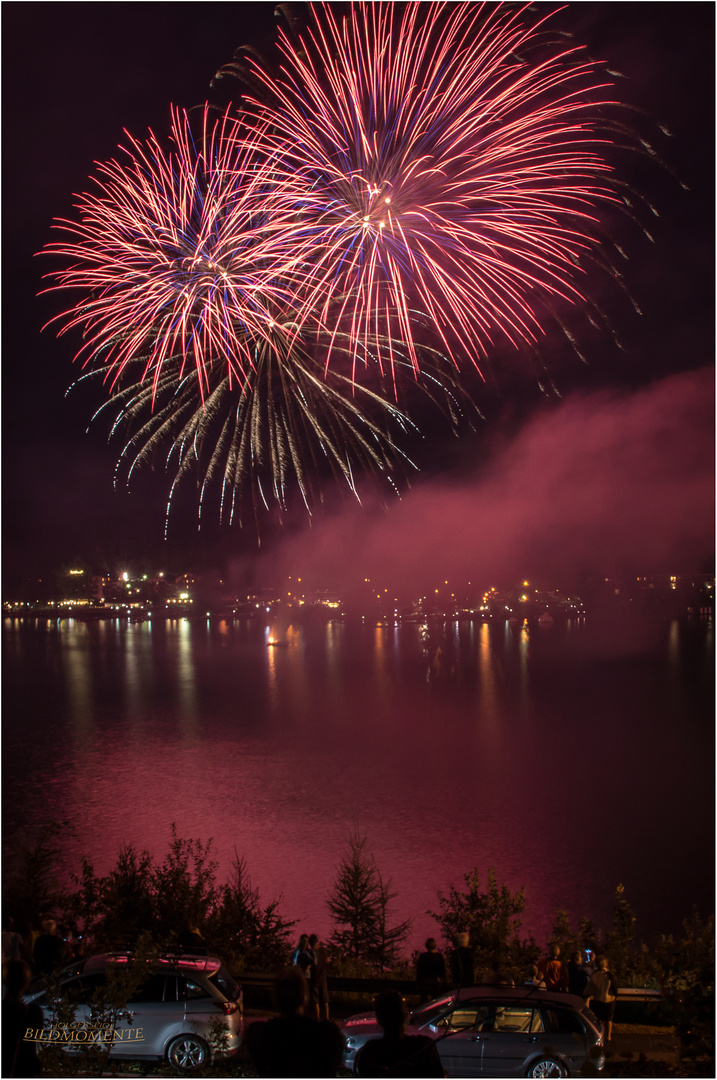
point(515, 1019)
point(82, 990)
point(563, 1022)
point(223, 980)
point(188, 990)
point(152, 989)
point(468, 1015)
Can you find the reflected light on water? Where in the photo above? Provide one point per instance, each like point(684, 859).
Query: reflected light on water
point(379, 653)
point(279, 750)
point(134, 650)
point(78, 681)
point(186, 677)
point(488, 675)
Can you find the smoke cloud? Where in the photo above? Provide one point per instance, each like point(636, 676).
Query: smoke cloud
point(603, 482)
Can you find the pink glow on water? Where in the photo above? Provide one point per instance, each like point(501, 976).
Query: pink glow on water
point(278, 753)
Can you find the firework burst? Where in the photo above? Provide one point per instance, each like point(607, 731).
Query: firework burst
point(190, 288)
point(422, 162)
point(415, 185)
point(286, 427)
point(173, 256)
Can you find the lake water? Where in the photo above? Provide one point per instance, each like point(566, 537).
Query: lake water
point(569, 758)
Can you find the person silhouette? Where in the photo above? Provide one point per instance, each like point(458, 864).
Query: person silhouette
point(18, 1055)
point(292, 1044)
point(553, 971)
point(49, 952)
point(430, 971)
point(397, 1053)
point(462, 971)
point(578, 974)
point(191, 940)
point(600, 995)
point(11, 941)
point(318, 984)
point(303, 956)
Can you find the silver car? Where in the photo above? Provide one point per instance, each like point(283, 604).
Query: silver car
point(188, 1011)
point(498, 1031)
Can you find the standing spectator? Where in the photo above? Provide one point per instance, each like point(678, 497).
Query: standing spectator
point(19, 1057)
point(501, 977)
point(49, 953)
point(532, 978)
point(462, 971)
point(430, 971)
point(600, 994)
point(191, 940)
point(303, 956)
point(553, 971)
point(11, 940)
point(578, 974)
point(35, 930)
point(318, 984)
point(397, 1054)
point(292, 1044)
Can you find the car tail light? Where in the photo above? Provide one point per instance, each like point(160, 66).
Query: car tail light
point(229, 1008)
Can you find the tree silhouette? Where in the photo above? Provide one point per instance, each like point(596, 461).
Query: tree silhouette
point(359, 905)
point(491, 918)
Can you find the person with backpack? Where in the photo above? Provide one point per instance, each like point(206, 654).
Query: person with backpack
point(600, 995)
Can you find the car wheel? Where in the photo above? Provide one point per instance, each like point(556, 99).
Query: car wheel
point(187, 1053)
point(546, 1067)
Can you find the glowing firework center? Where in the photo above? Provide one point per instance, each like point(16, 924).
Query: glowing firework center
point(413, 186)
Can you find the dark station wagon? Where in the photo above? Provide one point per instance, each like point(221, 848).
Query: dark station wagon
point(498, 1031)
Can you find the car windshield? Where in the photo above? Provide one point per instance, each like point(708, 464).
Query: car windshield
point(427, 1014)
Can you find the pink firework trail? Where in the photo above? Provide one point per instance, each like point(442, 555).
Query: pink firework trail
point(174, 257)
point(419, 184)
point(425, 168)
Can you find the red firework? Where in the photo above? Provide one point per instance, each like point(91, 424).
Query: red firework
point(424, 162)
point(173, 257)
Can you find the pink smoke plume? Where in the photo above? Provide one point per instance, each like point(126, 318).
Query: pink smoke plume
point(603, 481)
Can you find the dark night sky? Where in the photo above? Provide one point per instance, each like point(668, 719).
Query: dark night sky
point(75, 74)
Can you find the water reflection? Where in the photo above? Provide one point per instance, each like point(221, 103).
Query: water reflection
point(379, 651)
point(333, 644)
point(338, 724)
point(272, 654)
point(488, 682)
point(132, 680)
point(78, 682)
point(186, 676)
point(524, 648)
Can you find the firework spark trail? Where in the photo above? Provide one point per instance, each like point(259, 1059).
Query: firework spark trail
point(276, 430)
point(409, 190)
point(187, 300)
point(173, 256)
point(423, 161)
